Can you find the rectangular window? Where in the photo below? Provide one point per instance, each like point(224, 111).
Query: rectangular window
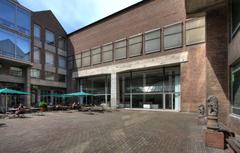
point(195, 31)
point(50, 37)
point(62, 44)
point(35, 73)
point(235, 15)
point(86, 58)
point(49, 76)
point(49, 58)
point(235, 92)
point(107, 53)
point(135, 46)
point(152, 41)
point(16, 71)
point(96, 56)
point(173, 36)
point(61, 78)
point(37, 55)
point(120, 49)
point(23, 21)
point(78, 60)
point(62, 62)
point(7, 14)
point(37, 32)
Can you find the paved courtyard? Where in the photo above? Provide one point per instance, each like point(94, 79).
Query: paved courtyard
point(116, 132)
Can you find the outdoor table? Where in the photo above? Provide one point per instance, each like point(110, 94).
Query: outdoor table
point(35, 109)
point(12, 110)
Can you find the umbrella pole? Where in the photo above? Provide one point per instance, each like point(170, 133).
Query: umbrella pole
point(6, 102)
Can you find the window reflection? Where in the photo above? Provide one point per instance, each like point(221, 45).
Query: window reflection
point(7, 14)
point(7, 44)
point(22, 48)
point(15, 17)
point(100, 86)
point(14, 46)
point(23, 21)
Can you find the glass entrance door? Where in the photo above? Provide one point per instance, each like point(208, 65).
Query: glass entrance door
point(151, 89)
point(169, 101)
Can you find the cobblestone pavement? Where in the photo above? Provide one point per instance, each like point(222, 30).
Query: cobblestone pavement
point(116, 132)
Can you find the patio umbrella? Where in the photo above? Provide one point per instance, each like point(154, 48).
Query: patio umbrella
point(7, 91)
point(79, 94)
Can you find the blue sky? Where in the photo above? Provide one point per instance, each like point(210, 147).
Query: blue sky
point(74, 14)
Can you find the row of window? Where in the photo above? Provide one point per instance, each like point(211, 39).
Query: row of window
point(36, 73)
point(49, 37)
point(148, 42)
point(49, 58)
point(15, 17)
point(14, 71)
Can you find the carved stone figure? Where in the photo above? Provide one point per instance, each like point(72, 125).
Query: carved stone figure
point(212, 112)
point(212, 106)
point(201, 110)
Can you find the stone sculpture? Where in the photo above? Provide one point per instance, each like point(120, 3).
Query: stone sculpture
point(212, 112)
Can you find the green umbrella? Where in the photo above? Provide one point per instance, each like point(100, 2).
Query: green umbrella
point(10, 91)
point(7, 91)
point(78, 94)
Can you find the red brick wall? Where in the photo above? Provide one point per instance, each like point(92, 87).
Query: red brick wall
point(217, 70)
point(150, 15)
point(193, 79)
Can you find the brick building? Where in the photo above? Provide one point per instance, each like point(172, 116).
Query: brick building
point(147, 56)
point(156, 54)
point(223, 53)
point(33, 54)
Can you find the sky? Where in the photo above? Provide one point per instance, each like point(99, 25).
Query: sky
point(74, 14)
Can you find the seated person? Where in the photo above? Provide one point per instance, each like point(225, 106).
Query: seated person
point(74, 105)
point(20, 110)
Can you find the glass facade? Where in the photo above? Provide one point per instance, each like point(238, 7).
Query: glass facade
point(235, 92)
point(14, 44)
point(100, 86)
point(150, 89)
point(235, 15)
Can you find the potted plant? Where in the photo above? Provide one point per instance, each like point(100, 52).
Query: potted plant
point(43, 106)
